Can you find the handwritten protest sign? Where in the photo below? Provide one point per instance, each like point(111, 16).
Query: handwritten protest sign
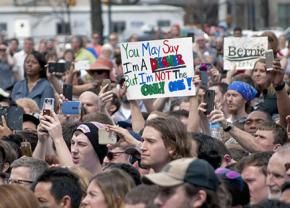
point(242, 53)
point(159, 68)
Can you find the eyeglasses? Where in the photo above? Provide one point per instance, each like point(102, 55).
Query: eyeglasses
point(10, 181)
point(112, 155)
point(2, 49)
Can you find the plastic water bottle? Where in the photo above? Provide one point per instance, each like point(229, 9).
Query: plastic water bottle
point(216, 130)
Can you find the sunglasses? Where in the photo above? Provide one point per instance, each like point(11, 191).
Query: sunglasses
point(112, 155)
point(3, 49)
point(99, 72)
point(270, 39)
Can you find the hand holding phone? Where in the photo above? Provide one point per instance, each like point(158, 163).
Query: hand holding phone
point(106, 82)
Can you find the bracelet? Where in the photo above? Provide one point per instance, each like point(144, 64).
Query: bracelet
point(280, 86)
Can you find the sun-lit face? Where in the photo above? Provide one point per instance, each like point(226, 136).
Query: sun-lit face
point(83, 153)
point(154, 153)
point(31, 66)
point(265, 139)
point(254, 120)
point(256, 181)
point(173, 197)
point(94, 198)
point(276, 176)
point(234, 101)
point(43, 194)
point(260, 75)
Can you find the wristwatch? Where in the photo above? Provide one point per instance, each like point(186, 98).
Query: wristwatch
point(227, 126)
point(280, 87)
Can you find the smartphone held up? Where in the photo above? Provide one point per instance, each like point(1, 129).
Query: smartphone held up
point(209, 100)
point(269, 56)
point(48, 106)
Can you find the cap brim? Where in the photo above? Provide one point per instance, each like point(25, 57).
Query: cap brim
point(161, 179)
point(99, 69)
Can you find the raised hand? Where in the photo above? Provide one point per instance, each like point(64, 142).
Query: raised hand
point(4, 129)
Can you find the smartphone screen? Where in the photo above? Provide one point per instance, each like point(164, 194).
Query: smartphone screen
point(269, 56)
point(209, 100)
point(67, 91)
point(106, 137)
point(204, 78)
point(26, 149)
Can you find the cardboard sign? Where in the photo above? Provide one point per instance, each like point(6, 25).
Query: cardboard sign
point(242, 53)
point(159, 68)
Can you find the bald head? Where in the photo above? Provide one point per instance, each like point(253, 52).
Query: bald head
point(90, 102)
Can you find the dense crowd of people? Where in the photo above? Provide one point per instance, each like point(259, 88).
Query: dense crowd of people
point(163, 152)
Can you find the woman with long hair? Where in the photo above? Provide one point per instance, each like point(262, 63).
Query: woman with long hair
point(108, 190)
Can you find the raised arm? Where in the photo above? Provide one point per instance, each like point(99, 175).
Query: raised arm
point(283, 101)
point(246, 140)
point(138, 121)
point(52, 125)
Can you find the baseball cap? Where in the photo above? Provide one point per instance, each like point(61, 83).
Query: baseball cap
point(34, 118)
point(194, 171)
point(91, 130)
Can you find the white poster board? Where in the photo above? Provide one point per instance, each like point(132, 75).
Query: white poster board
point(242, 53)
point(159, 68)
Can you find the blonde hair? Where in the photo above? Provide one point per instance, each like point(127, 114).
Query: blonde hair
point(28, 103)
point(115, 184)
point(84, 176)
point(15, 196)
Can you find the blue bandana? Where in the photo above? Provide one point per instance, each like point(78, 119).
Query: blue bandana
point(247, 91)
